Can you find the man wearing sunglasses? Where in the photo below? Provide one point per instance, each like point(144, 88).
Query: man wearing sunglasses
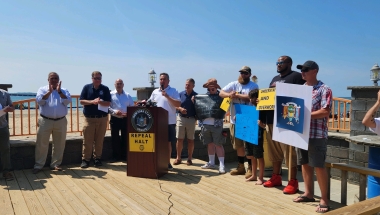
point(238, 92)
point(315, 156)
point(92, 97)
point(278, 151)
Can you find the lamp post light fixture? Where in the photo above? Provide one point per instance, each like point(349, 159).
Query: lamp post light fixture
point(375, 74)
point(152, 77)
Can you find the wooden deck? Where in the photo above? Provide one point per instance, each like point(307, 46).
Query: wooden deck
point(107, 190)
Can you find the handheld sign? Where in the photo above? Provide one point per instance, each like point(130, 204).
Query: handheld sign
point(208, 106)
point(266, 98)
point(246, 127)
point(225, 104)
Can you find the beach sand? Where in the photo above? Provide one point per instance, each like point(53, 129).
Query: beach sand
point(18, 120)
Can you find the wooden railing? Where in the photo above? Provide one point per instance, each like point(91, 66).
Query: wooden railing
point(363, 172)
point(340, 116)
point(345, 168)
point(24, 120)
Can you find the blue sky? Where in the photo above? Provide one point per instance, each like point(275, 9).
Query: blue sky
point(187, 39)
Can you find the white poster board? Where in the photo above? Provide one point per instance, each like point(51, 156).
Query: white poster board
point(289, 137)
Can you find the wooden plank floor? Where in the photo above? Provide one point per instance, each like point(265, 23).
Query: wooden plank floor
point(107, 190)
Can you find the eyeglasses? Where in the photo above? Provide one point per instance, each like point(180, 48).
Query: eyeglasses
point(54, 78)
point(119, 83)
point(97, 78)
point(244, 73)
point(280, 62)
point(211, 89)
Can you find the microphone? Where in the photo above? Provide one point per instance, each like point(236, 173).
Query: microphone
point(162, 87)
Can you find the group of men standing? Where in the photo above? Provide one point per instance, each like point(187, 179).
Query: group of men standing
point(53, 100)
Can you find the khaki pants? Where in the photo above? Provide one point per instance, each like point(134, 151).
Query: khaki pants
point(94, 130)
point(277, 150)
point(57, 129)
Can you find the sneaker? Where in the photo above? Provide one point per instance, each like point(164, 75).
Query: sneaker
point(222, 170)
point(85, 164)
point(170, 167)
point(275, 181)
point(97, 162)
point(8, 176)
point(208, 166)
point(292, 187)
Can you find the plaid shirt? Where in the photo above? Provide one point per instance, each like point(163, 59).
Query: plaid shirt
point(322, 98)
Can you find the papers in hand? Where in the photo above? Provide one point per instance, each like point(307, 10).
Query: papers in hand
point(103, 108)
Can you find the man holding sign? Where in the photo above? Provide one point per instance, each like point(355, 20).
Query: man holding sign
point(238, 91)
point(277, 151)
point(315, 156)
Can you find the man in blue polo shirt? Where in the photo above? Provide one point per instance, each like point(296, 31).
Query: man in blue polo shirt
point(94, 96)
point(186, 122)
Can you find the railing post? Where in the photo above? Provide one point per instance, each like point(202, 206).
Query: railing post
point(343, 186)
point(362, 187)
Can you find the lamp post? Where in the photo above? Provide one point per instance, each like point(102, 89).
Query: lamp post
point(152, 77)
point(375, 74)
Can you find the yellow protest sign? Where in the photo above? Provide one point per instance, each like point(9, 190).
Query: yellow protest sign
point(267, 99)
point(225, 104)
point(141, 142)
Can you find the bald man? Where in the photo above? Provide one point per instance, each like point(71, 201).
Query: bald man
point(120, 100)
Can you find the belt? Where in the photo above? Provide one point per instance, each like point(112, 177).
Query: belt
point(95, 116)
point(54, 119)
point(186, 116)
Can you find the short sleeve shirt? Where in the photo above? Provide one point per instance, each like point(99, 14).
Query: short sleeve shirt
point(187, 103)
point(377, 128)
point(292, 78)
point(241, 89)
point(90, 93)
point(322, 98)
point(164, 103)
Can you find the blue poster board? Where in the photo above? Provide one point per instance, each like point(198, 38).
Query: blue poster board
point(246, 127)
point(290, 113)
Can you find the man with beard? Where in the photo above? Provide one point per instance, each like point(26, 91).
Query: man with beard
point(238, 92)
point(277, 151)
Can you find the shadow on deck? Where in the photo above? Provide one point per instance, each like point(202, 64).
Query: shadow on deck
point(107, 190)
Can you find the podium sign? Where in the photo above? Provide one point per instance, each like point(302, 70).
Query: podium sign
point(141, 142)
point(148, 149)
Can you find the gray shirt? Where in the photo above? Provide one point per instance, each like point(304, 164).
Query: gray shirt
point(5, 100)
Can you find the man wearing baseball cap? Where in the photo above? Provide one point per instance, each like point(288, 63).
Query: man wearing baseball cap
point(238, 92)
point(315, 156)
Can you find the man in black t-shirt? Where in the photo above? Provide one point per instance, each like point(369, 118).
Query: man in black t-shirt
point(277, 150)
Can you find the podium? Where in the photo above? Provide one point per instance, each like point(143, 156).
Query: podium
point(148, 149)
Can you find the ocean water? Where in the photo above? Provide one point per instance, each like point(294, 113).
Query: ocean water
point(19, 97)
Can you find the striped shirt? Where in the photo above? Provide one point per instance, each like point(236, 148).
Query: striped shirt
point(322, 98)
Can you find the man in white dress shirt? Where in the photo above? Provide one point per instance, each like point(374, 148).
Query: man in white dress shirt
point(52, 100)
point(168, 98)
point(120, 100)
